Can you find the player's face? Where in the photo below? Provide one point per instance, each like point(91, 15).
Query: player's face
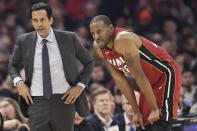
point(101, 33)
point(41, 23)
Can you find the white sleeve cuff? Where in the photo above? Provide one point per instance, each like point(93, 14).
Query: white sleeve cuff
point(81, 84)
point(16, 80)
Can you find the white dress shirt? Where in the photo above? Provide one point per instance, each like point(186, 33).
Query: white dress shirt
point(107, 123)
point(127, 123)
point(58, 79)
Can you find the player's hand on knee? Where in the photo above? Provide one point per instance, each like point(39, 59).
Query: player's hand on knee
point(154, 116)
point(138, 120)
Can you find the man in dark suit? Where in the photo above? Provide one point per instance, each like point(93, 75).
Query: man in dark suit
point(53, 88)
point(81, 124)
point(101, 119)
point(125, 118)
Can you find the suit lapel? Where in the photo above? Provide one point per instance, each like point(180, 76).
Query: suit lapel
point(31, 47)
point(61, 42)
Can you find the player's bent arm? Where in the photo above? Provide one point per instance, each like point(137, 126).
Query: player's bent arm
point(124, 85)
point(121, 81)
point(126, 44)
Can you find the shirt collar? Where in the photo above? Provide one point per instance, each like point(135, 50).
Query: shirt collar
point(105, 122)
point(49, 38)
point(127, 121)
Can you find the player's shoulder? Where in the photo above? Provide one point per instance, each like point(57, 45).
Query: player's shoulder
point(124, 38)
point(125, 35)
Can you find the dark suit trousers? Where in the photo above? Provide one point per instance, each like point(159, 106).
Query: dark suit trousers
point(51, 115)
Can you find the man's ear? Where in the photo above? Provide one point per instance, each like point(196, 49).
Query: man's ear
point(51, 20)
point(111, 28)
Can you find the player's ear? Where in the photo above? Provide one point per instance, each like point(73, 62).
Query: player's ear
point(111, 27)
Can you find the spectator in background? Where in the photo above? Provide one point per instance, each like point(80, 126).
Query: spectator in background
point(182, 12)
point(184, 107)
point(144, 26)
point(194, 71)
point(77, 13)
point(188, 86)
point(83, 35)
point(121, 22)
point(90, 11)
point(99, 75)
point(81, 124)
point(182, 61)
point(125, 119)
point(6, 45)
point(168, 46)
point(194, 106)
point(3, 67)
point(11, 113)
point(156, 37)
point(186, 32)
point(101, 120)
point(170, 31)
point(93, 87)
point(191, 49)
point(2, 11)
point(1, 122)
point(89, 99)
point(59, 14)
point(11, 26)
point(162, 13)
point(118, 101)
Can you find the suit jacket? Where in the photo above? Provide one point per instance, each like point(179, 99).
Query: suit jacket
point(83, 126)
point(96, 124)
point(121, 120)
point(70, 50)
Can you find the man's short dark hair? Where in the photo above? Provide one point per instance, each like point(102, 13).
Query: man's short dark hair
point(106, 20)
point(41, 6)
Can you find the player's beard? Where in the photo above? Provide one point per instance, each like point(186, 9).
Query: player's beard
point(107, 41)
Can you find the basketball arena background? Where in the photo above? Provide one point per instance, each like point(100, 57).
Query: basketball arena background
point(172, 24)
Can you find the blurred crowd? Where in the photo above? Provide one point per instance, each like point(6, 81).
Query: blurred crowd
point(171, 24)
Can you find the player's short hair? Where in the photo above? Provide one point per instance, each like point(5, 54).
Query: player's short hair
point(106, 20)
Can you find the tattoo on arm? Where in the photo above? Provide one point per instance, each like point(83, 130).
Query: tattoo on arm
point(129, 59)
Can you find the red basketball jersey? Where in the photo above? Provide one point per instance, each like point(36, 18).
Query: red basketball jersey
point(161, 71)
point(153, 58)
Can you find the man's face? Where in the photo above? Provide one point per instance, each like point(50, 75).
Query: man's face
point(7, 110)
point(188, 79)
point(41, 22)
point(98, 74)
point(128, 109)
point(101, 33)
point(103, 104)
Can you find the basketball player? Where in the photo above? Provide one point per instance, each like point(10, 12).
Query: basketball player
point(156, 73)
